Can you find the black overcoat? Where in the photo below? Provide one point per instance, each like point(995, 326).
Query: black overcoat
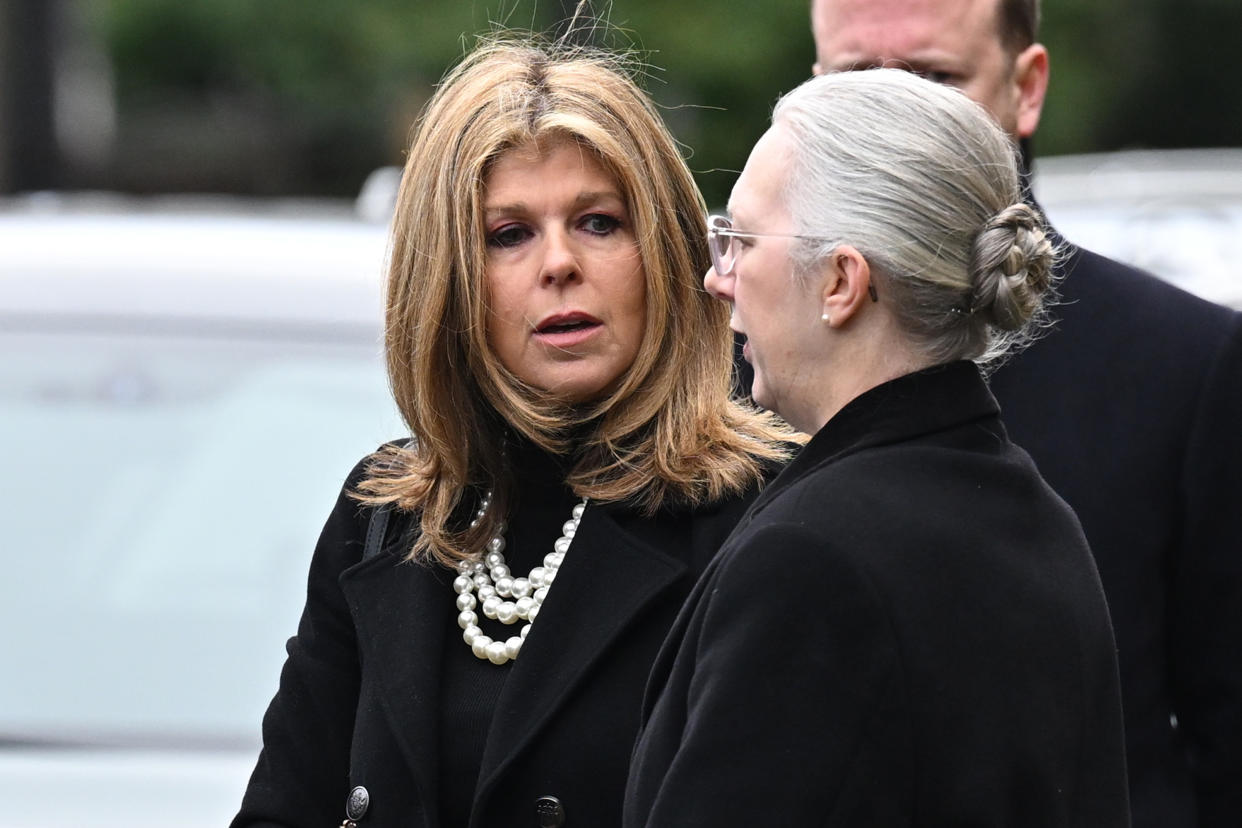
point(358, 700)
point(1132, 409)
point(906, 629)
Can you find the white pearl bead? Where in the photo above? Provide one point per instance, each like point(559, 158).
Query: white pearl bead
point(465, 567)
point(495, 546)
point(513, 646)
point(536, 577)
point(499, 571)
point(506, 613)
point(540, 595)
point(481, 580)
point(494, 559)
point(467, 619)
point(486, 592)
point(561, 545)
point(504, 586)
point(524, 605)
point(490, 606)
point(466, 601)
point(570, 528)
point(521, 587)
point(463, 584)
point(525, 631)
point(578, 510)
point(470, 634)
point(496, 652)
point(533, 614)
point(480, 644)
point(479, 568)
point(549, 577)
point(551, 561)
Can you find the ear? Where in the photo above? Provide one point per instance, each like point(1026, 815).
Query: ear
point(1031, 78)
point(847, 285)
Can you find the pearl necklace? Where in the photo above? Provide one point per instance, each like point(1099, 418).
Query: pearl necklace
point(494, 583)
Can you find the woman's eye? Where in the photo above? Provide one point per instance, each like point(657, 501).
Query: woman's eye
point(600, 224)
point(511, 235)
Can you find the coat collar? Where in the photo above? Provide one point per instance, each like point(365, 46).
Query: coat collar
point(609, 577)
point(926, 401)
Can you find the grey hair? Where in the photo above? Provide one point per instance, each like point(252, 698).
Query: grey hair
point(925, 185)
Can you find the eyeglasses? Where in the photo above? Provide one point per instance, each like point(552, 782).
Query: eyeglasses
point(723, 248)
point(720, 236)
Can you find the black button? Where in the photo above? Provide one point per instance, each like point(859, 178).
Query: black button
point(550, 811)
point(357, 802)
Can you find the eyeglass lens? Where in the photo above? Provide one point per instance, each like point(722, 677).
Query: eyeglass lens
point(721, 246)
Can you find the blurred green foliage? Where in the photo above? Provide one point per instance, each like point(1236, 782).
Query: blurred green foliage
point(345, 80)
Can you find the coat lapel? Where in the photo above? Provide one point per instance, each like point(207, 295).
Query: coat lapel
point(934, 399)
point(395, 607)
point(608, 578)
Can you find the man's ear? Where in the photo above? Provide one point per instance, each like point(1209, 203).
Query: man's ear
point(847, 287)
point(1031, 72)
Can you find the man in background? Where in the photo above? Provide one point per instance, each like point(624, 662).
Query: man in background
point(1132, 407)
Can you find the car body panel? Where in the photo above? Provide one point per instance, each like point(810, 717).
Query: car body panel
point(1174, 213)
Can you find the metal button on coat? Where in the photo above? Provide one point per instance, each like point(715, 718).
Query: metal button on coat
point(550, 811)
point(357, 802)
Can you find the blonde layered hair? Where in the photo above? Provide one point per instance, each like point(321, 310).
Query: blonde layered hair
point(668, 433)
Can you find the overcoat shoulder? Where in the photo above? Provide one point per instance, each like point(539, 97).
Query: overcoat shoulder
point(906, 629)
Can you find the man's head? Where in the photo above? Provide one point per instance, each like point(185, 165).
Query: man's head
point(986, 48)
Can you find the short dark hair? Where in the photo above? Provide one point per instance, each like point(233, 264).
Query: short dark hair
point(1019, 23)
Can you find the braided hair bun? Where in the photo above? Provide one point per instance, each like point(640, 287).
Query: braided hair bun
point(1011, 267)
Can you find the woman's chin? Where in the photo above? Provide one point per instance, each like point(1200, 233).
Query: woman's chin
point(759, 393)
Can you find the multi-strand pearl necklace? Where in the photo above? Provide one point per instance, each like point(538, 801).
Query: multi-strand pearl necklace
point(505, 598)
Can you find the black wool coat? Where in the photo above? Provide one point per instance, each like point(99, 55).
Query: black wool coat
point(1132, 409)
point(358, 700)
point(906, 629)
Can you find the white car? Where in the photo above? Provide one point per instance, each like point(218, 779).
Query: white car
point(182, 391)
point(1174, 213)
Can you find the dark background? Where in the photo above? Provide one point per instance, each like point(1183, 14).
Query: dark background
point(305, 97)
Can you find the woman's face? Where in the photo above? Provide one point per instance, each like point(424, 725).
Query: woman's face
point(565, 281)
point(778, 313)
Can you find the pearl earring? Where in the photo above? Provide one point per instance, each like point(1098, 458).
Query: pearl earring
point(825, 318)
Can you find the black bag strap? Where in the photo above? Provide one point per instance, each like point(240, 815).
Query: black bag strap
point(376, 529)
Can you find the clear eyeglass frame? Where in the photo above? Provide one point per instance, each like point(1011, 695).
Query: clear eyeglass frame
point(720, 242)
point(723, 249)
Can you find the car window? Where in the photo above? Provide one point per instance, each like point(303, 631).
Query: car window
point(163, 495)
point(1189, 242)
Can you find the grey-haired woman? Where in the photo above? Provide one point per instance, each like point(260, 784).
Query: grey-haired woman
point(907, 628)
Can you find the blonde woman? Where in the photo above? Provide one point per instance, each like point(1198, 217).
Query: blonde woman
point(575, 461)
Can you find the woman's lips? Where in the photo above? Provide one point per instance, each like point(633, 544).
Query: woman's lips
point(566, 330)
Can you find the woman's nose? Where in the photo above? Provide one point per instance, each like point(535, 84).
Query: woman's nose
point(560, 263)
point(719, 286)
